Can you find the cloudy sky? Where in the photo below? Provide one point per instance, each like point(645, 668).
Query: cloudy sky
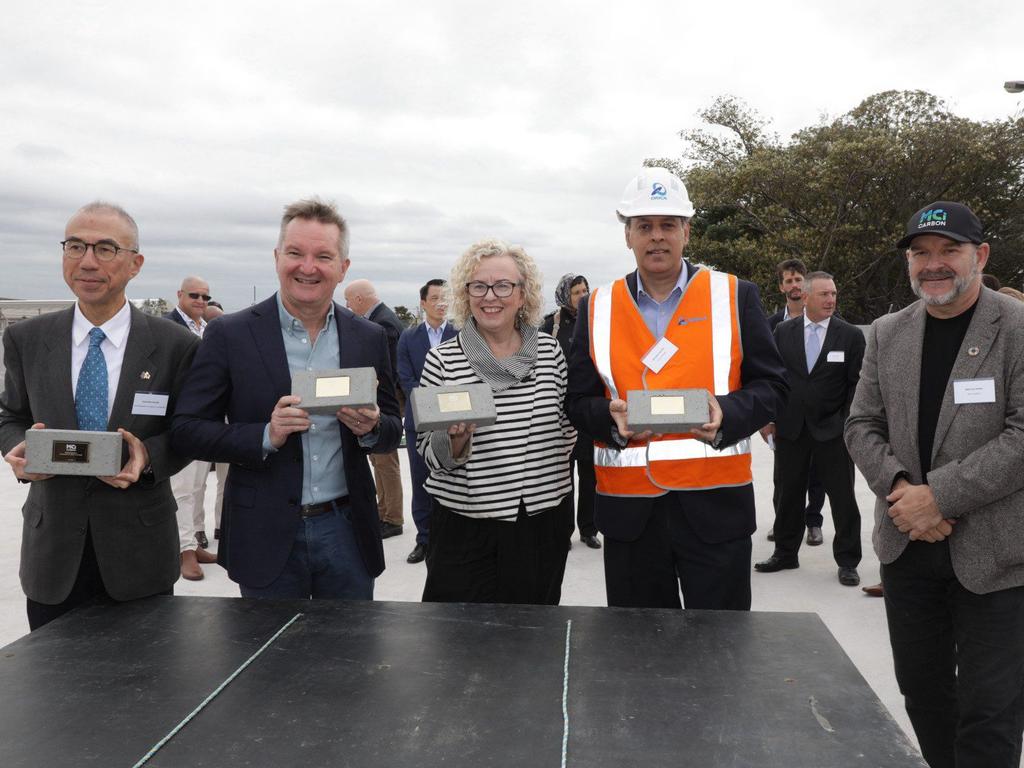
point(431, 124)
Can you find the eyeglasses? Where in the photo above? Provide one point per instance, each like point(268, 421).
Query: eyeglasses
point(75, 249)
point(203, 296)
point(502, 289)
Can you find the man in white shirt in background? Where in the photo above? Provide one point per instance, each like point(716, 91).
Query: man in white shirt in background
point(189, 485)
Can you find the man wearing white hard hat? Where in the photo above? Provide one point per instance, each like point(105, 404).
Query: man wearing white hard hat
point(676, 511)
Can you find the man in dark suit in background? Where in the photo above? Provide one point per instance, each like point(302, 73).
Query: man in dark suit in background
point(823, 355)
point(300, 512)
point(791, 274)
point(413, 346)
point(102, 538)
point(189, 485)
point(361, 297)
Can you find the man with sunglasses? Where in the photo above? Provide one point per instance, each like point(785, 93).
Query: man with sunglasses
point(100, 365)
point(189, 485)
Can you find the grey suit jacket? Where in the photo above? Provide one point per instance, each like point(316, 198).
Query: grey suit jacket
point(133, 530)
point(977, 473)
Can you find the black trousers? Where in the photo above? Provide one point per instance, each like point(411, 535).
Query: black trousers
point(815, 495)
point(668, 557)
point(583, 458)
point(835, 469)
point(959, 660)
point(477, 560)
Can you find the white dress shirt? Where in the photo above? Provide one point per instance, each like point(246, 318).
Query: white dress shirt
point(116, 330)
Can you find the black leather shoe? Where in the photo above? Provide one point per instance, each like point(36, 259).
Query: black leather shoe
point(771, 534)
point(776, 563)
point(848, 576)
point(418, 554)
point(591, 541)
point(387, 530)
point(201, 539)
point(814, 537)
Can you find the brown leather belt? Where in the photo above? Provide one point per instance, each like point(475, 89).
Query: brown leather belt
point(312, 510)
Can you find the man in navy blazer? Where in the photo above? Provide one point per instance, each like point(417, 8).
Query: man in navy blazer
point(413, 346)
point(300, 508)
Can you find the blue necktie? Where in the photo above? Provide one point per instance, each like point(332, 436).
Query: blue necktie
point(91, 392)
point(812, 346)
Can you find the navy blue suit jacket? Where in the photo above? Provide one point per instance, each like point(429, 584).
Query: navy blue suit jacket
point(241, 371)
point(716, 515)
point(413, 346)
point(175, 315)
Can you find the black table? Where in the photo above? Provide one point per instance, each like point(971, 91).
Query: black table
point(409, 684)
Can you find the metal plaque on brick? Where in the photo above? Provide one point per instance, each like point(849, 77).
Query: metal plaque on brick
point(72, 452)
point(441, 407)
point(326, 391)
point(667, 411)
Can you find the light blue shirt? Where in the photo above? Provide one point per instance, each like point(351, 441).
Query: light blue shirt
point(323, 464)
point(435, 337)
point(657, 314)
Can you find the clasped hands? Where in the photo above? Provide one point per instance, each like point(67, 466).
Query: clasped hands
point(287, 418)
point(138, 460)
point(913, 511)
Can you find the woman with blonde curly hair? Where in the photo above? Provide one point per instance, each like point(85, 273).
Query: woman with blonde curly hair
point(497, 529)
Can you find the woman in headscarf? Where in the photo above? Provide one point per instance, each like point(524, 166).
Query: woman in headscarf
point(562, 324)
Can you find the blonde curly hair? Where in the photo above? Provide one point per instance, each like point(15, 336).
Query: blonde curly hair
point(532, 280)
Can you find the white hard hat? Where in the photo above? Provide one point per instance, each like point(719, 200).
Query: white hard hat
point(655, 192)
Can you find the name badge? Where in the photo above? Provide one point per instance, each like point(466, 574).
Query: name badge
point(974, 391)
point(150, 404)
point(836, 357)
point(659, 354)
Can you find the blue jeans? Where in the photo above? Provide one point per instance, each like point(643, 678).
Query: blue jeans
point(324, 563)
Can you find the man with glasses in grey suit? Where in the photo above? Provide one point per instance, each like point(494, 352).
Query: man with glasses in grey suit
point(96, 538)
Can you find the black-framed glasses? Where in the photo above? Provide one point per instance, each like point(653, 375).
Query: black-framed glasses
point(203, 296)
point(502, 289)
point(103, 250)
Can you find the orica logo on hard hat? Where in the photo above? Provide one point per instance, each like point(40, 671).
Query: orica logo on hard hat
point(933, 218)
point(658, 191)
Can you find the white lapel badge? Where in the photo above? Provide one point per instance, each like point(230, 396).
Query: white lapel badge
point(146, 374)
point(973, 351)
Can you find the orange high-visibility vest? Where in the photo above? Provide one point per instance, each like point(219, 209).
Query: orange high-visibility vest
point(705, 328)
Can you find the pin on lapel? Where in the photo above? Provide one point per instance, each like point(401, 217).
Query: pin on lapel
point(145, 375)
point(973, 351)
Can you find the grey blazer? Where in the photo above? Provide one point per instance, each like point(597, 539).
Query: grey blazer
point(134, 532)
point(977, 473)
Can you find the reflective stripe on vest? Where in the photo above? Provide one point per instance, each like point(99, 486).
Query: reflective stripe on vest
point(709, 306)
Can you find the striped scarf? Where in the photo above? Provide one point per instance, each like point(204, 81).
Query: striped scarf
point(504, 373)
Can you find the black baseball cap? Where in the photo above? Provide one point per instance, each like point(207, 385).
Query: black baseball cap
point(953, 220)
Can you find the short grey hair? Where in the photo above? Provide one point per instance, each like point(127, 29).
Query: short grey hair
point(316, 209)
point(100, 206)
point(810, 277)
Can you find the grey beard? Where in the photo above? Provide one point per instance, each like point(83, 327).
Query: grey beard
point(960, 284)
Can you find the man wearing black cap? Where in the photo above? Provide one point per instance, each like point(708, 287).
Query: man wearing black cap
point(937, 428)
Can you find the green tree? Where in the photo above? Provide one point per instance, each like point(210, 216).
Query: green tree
point(408, 318)
point(838, 194)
